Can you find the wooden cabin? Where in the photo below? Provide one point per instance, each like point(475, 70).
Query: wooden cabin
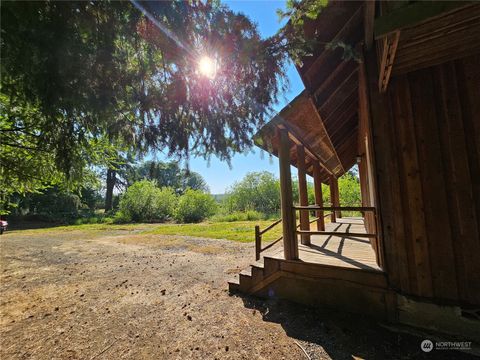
point(407, 111)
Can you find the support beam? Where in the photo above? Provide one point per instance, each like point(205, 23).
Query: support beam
point(369, 17)
point(389, 50)
point(334, 198)
point(290, 245)
point(303, 194)
point(298, 141)
point(317, 185)
point(322, 124)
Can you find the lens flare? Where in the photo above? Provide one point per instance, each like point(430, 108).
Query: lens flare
point(207, 67)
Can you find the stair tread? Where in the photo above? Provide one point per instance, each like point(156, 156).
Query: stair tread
point(259, 264)
point(247, 271)
point(234, 281)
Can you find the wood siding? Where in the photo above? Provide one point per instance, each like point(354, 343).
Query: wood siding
point(426, 138)
point(366, 165)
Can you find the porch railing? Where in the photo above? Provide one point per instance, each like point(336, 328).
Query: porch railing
point(336, 208)
point(258, 238)
point(259, 233)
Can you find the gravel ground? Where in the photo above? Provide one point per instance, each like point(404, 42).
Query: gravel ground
point(122, 294)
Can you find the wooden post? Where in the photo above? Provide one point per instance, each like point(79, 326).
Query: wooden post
point(303, 193)
point(317, 184)
point(290, 246)
point(338, 214)
point(334, 199)
point(258, 242)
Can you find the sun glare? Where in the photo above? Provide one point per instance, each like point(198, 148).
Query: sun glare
point(207, 67)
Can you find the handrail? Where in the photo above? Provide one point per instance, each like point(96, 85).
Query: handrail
point(259, 233)
point(272, 243)
point(258, 238)
point(334, 208)
point(270, 226)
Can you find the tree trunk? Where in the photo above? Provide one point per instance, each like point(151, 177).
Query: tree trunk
point(111, 180)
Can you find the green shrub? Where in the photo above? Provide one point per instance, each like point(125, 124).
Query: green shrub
point(259, 191)
point(107, 220)
point(144, 201)
point(121, 218)
point(195, 206)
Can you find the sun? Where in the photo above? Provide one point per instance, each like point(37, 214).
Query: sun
point(207, 67)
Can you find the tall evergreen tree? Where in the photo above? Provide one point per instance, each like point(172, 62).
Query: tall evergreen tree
point(79, 80)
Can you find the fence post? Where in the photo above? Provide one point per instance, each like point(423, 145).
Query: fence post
point(258, 243)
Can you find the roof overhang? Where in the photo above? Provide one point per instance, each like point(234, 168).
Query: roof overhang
point(305, 128)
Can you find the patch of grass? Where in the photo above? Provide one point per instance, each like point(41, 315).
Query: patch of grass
point(238, 216)
point(243, 231)
point(86, 228)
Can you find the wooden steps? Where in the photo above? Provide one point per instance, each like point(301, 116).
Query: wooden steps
point(257, 274)
point(356, 290)
point(253, 276)
point(338, 271)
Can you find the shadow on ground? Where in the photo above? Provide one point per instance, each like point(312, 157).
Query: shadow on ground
point(325, 333)
point(20, 224)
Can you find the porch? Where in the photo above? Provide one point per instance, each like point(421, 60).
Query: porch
point(338, 268)
point(342, 250)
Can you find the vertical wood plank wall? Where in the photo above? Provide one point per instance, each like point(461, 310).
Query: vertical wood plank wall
point(365, 167)
point(427, 155)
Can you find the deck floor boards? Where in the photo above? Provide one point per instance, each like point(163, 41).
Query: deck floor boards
point(337, 250)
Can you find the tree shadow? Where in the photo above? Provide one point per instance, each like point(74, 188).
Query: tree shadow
point(342, 335)
point(19, 224)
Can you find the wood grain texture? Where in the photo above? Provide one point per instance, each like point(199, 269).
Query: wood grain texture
point(426, 141)
point(303, 194)
point(290, 245)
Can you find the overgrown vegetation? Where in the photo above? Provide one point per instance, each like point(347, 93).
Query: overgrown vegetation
point(195, 206)
point(254, 198)
point(146, 202)
point(260, 192)
point(257, 191)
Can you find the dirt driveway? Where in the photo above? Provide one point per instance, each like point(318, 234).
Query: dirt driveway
point(124, 294)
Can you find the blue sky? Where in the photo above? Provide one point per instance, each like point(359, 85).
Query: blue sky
point(217, 174)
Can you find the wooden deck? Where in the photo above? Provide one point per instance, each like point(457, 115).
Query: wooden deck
point(342, 251)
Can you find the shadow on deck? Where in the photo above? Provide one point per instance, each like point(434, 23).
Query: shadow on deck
point(337, 250)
